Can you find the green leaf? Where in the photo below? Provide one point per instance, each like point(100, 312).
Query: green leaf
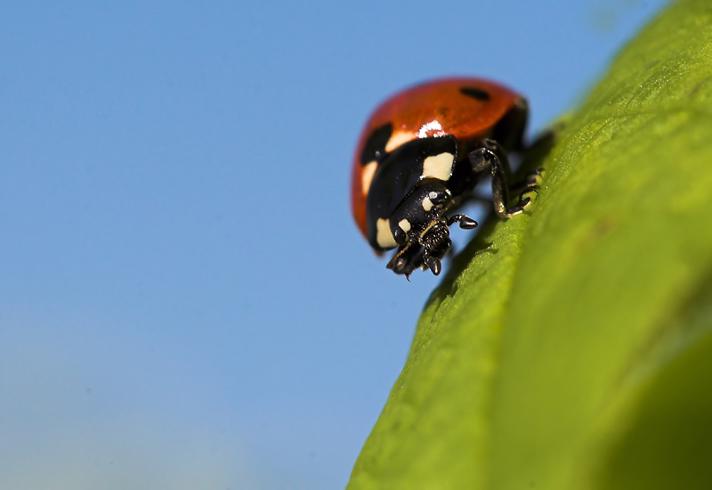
point(576, 351)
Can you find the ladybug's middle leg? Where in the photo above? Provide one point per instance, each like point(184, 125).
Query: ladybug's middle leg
point(491, 158)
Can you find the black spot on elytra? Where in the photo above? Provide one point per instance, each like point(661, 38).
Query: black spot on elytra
point(475, 93)
point(375, 147)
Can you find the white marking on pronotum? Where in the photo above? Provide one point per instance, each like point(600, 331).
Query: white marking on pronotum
point(367, 176)
point(404, 225)
point(398, 139)
point(438, 166)
point(430, 129)
point(427, 204)
point(384, 235)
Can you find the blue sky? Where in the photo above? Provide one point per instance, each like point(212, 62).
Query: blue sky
point(184, 299)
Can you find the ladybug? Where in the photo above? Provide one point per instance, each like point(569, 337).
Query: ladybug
point(419, 157)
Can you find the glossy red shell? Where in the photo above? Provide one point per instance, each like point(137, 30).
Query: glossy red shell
point(429, 109)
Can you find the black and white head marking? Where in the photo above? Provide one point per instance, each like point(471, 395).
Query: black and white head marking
point(407, 201)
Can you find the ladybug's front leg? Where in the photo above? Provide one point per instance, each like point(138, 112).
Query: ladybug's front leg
point(491, 158)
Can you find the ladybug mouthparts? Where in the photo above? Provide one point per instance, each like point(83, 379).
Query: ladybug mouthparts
point(428, 249)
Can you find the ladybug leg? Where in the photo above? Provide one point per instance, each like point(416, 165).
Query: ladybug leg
point(491, 158)
point(529, 184)
point(433, 263)
point(466, 223)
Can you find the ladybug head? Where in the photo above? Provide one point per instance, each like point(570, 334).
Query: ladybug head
point(421, 229)
point(407, 201)
point(424, 252)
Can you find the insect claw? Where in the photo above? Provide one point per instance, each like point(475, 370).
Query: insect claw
point(466, 223)
point(434, 265)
